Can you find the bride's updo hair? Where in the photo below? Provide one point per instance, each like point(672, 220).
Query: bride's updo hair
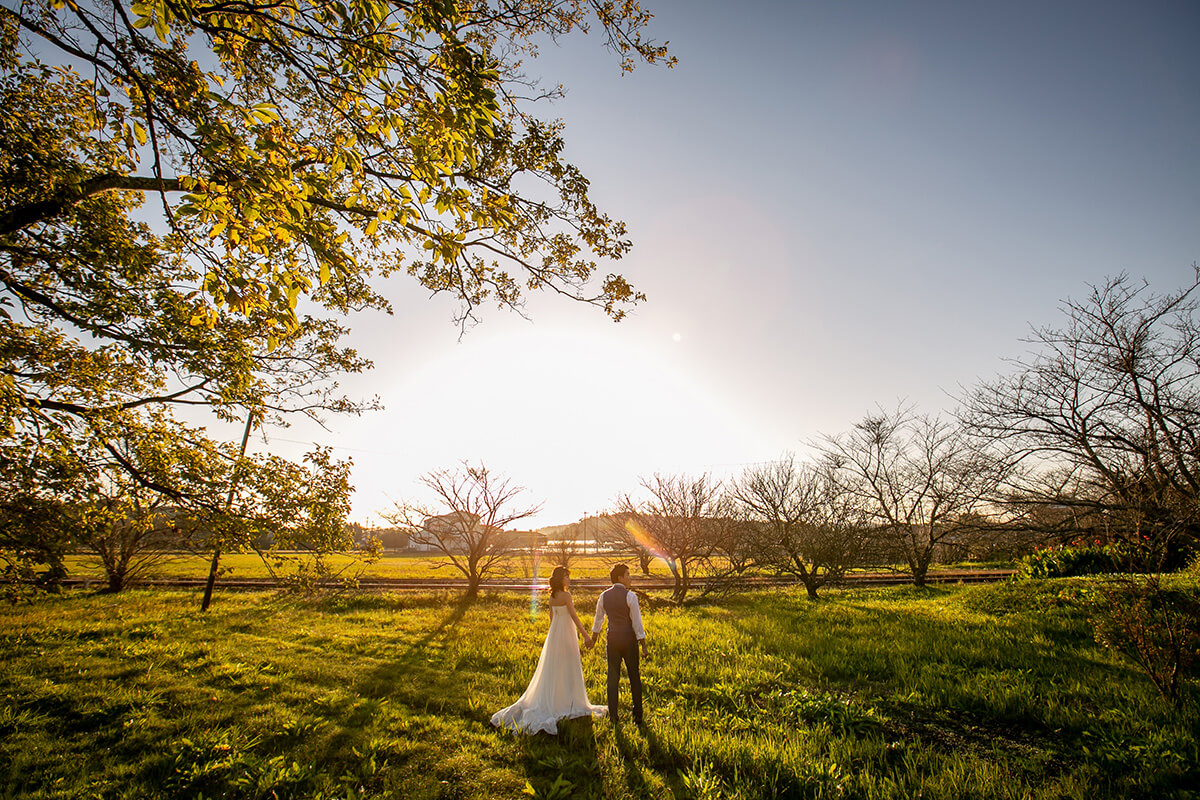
point(556, 580)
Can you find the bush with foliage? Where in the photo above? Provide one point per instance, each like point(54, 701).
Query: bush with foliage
point(1066, 561)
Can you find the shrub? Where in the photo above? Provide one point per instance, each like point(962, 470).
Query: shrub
point(1070, 561)
point(1156, 627)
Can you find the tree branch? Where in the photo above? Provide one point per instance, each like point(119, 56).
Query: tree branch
point(23, 216)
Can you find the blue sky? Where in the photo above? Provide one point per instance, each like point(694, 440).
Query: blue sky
point(834, 205)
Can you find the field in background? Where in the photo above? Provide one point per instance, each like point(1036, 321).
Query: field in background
point(966, 692)
point(250, 565)
point(406, 565)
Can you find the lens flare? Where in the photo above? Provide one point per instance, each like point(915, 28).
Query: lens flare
point(533, 584)
point(645, 539)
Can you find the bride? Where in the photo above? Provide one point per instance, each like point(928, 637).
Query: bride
point(556, 690)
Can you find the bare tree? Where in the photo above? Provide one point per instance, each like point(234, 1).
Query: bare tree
point(614, 532)
point(680, 521)
point(1048, 506)
point(804, 524)
point(1109, 403)
point(468, 521)
point(565, 543)
point(527, 552)
point(734, 544)
point(922, 480)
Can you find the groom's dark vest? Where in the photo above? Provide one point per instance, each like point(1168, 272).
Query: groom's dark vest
point(616, 608)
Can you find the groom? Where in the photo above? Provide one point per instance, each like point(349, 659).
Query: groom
point(625, 637)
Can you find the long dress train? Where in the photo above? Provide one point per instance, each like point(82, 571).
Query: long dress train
point(556, 690)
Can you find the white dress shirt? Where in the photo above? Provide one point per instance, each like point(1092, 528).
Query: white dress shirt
point(635, 614)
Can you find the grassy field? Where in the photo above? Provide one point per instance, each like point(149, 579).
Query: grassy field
point(967, 692)
point(392, 565)
point(397, 565)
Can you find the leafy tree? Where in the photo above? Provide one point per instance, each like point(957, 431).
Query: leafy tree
point(294, 517)
point(296, 146)
point(129, 527)
point(468, 521)
point(34, 540)
point(193, 194)
point(35, 529)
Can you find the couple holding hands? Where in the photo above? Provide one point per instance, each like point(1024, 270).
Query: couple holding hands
point(557, 690)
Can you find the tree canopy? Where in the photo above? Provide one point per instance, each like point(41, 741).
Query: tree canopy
point(193, 195)
point(296, 146)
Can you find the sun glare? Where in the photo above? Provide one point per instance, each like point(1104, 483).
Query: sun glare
point(576, 417)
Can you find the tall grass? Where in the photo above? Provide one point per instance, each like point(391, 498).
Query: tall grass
point(989, 692)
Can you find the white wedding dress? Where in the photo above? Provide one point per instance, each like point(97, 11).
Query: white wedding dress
point(556, 690)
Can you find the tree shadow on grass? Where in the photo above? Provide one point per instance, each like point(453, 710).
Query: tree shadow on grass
point(455, 616)
point(926, 651)
point(411, 674)
point(568, 757)
point(414, 667)
point(659, 759)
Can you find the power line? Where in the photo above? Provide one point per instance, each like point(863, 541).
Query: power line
point(335, 446)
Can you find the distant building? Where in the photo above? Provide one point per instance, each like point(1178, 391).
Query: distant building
point(524, 540)
point(457, 531)
point(450, 531)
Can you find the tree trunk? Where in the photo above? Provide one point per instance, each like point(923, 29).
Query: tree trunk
point(116, 581)
point(212, 580)
point(682, 584)
point(920, 569)
point(116, 569)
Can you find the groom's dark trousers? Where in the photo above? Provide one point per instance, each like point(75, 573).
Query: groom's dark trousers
point(622, 646)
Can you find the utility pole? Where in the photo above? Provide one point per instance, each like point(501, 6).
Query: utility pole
point(233, 481)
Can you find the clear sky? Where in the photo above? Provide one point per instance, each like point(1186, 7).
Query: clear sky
point(834, 206)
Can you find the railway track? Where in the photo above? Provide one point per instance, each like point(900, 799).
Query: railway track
point(749, 582)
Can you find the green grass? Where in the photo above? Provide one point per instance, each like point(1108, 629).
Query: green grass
point(397, 565)
point(965, 692)
point(392, 565)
